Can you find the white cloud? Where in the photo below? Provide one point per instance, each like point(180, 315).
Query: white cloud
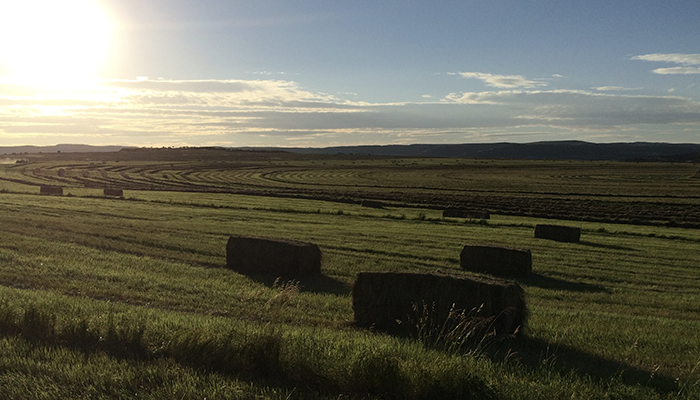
point(614, 88)
point(690, 63)
point(504, 81)
point(610, 88)
point(677, 71)
point(676, 58)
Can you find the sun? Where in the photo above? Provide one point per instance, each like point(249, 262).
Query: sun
point(52, 42)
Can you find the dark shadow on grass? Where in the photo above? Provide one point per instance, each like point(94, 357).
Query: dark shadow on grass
point(547, 282)
point(311, 284)
point(606, 246)
point(533, 353)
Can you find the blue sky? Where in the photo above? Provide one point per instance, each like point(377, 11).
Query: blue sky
point(319, 73)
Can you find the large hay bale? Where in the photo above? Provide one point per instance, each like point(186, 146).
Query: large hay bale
point(114, 192)
point(372, 204)
point(280, 257)
point(51, 190)
point(461, 213)
point(502, 261)
point(388, 301)
point(558, 233)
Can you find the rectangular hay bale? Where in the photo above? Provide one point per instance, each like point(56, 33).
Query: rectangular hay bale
point(386, 300)
point(282, 257)
point(559, 233)
point(494, 260)
point(45, 189)
point(460, 213)
point(113, 192)
point(372, 204)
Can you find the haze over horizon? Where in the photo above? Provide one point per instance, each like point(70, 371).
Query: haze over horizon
point(309, 73)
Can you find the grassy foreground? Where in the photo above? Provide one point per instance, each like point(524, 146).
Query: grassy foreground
point(118, 298)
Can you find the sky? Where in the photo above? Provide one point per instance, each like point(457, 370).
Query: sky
point(318, 73)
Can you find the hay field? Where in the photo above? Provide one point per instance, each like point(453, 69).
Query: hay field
point(638, 193)
point(111, 297)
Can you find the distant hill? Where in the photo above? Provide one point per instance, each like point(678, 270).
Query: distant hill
point(63, 148)
point(562, 150)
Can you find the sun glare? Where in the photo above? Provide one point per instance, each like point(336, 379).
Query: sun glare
point(51, 42)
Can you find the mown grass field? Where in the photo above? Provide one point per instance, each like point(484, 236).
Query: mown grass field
point(123, 297)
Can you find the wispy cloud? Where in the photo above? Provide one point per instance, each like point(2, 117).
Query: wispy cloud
point(277, 113)
point(677, 71)
point(690, 63)
point(614, 88)
point(504, 81)
point(676, 58)
point(586, 110)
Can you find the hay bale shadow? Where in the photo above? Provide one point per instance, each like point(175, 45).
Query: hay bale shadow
point(606, 246)
point(547, 282)
point(307, 284)
point(534, 353)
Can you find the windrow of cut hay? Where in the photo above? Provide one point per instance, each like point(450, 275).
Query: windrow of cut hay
point(494, 260)
point(462, 213)
point(114, 192)
point(393, 301)
point(45, 189)
point(558, 233)
point(272, 256)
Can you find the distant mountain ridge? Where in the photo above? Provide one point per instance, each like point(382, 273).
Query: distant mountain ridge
point(561, 150)
point(63, 148)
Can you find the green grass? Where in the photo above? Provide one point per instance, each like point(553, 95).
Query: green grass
point(142, 280)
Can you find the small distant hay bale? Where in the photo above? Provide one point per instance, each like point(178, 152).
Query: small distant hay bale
point(372, 204)
point(558, 233)
point(37, 171)
point(388, 301)
point(271, 256)
point(114, 192)
point(85, 173)
point(461, 213)
point(494, 260)
point(51, 190)
point(61, 172)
